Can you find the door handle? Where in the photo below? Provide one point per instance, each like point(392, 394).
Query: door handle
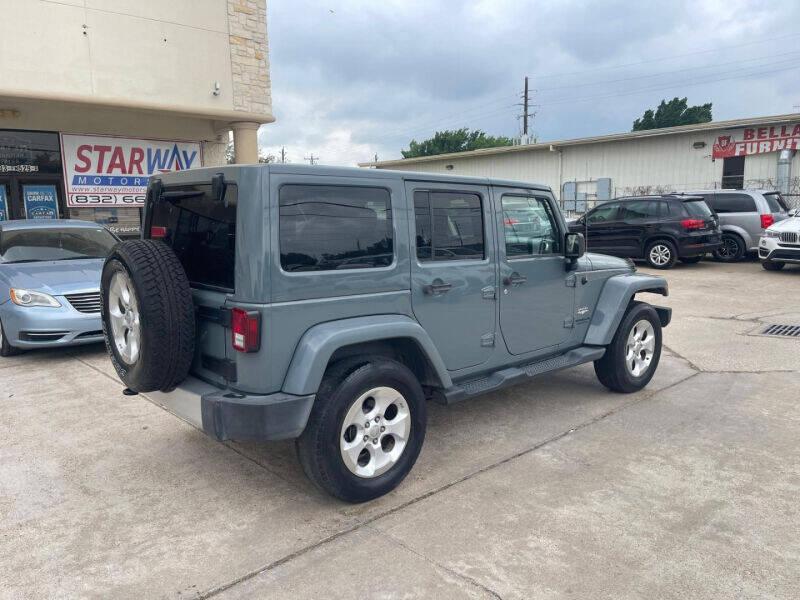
point(437, 287)
point(514, 279)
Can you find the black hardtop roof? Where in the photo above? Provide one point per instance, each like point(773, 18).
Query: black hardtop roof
point(352, 172)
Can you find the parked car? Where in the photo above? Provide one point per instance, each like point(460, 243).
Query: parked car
point(327, 305)
point(744, 215)
point(50, 283)
point(780, 243)
point(658, 229)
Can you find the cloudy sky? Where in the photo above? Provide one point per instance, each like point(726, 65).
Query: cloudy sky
point(351, 79)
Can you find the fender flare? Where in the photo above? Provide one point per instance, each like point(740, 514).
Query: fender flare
point(315, 348)
point(614, 300)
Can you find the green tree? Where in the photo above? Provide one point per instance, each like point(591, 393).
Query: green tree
point(458, 140)
point(672, 113)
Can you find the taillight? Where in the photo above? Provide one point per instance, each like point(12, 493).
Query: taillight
point(245, 330)
point(767, 221)
point(157, 232)
point(690, 224)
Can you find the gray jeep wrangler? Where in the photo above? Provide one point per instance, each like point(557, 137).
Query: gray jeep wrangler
point(328, 304)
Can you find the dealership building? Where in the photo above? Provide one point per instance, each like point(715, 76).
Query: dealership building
point(97, 95)
point(756, 153)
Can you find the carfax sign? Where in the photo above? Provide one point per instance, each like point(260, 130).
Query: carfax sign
point(111, 171)
point(757, 140)
point(3, 204)
point(41, 201)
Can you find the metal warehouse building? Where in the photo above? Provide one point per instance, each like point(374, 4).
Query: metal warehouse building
point(745, 153)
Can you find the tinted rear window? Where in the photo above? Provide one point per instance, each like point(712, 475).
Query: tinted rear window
point(326, 227)
point(729, 203)
point(202, 232)
point(776, 203)
point(697, 208)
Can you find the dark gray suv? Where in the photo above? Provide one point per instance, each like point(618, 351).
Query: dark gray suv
point(327, 305)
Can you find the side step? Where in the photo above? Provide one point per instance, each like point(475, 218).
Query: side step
point(520, 373)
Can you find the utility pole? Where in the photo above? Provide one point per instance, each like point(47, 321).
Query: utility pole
point(283, 155)
point(312, 160)
point(525, 111)
point(376, 157)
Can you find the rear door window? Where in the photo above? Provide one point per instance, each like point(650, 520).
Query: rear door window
point(640, 210)
point(201, 230)
point(328, 227)
point(604, 213)
point(449, 226)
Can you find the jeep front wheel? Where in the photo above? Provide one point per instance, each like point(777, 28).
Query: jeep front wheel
point(366, 429)
point(632, 357)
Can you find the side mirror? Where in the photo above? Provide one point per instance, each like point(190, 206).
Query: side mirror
point(574, 248)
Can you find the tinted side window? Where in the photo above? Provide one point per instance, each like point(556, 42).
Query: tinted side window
point(449, 226)
point(201, 231)
point(324, 227)
point(728, 203)
point(697, 208)
point(529, 226)
point(640, 210)
point(603, 213)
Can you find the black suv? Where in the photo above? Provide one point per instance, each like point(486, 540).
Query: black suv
point(659, 229)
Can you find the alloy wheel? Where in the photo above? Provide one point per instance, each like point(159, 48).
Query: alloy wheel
point(375, 432)
point(640, 348)
point(123, 310)
point(729, 248)
point(660, 255)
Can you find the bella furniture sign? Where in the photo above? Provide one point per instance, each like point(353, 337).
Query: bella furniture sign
point(757, 140)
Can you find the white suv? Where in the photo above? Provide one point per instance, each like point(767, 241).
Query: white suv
point(780, 243)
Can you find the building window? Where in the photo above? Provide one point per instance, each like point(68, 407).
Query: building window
point(733, 172)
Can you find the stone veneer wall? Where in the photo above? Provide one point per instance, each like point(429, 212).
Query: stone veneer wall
point(247, 27)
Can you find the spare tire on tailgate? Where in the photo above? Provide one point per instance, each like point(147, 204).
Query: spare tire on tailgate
point(148, 315)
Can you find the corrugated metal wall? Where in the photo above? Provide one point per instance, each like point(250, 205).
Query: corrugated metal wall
point(648, 165)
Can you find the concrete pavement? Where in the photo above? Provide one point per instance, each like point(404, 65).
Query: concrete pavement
point(557, 488)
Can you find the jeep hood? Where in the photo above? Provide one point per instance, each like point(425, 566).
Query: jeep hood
point(602, 262)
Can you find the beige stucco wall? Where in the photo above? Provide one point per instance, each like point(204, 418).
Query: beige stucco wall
point(153, 52)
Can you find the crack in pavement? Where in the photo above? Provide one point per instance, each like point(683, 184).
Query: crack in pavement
point(366, 523)
point(436, 564)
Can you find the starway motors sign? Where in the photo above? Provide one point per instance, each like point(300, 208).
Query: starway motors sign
point(111, 171)
point(757, 140)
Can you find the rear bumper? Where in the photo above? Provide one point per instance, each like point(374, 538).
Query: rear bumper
point(229, 415)
point(697, 246)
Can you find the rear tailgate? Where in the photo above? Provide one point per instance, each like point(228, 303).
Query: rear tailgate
point(201, 229)
point(696, 208)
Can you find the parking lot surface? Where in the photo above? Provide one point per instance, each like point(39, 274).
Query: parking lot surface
point(556, 488)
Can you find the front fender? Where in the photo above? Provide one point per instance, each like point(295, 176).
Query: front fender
point(613, 302)
point(318, 344)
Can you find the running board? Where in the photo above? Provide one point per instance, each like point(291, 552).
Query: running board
point(519, 374)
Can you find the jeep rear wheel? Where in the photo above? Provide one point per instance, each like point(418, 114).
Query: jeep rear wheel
point(148, 315)
point(632, 357)
point(366, 429)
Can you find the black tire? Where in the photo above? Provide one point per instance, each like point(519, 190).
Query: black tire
point(611, 369)
point(732, 249)
point(666, 246)
point(771, 265)
point(691, 260)
point(6, 349)
point(166, 314)
point(318, 447)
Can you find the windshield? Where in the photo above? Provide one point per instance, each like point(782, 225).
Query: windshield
point(776, 202)
point(697, 208)
point(66, 243)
